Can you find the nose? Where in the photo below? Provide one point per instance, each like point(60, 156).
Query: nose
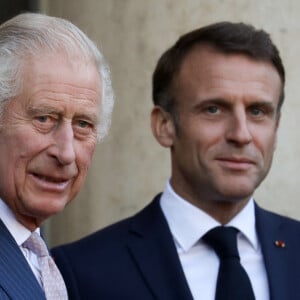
point(238, 131)
point(63, 146)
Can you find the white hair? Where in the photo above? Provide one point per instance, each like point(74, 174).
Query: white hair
point(31, 34)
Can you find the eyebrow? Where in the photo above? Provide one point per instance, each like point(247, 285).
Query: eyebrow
point(226, 103)
point(213, 101)
point(93, 117)
point(45, 109)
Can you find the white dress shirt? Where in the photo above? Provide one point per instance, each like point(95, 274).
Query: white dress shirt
point(20, 234)
point(188, 224)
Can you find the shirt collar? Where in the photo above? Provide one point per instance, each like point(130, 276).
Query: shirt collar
point(188, 223)
point(245, 222)
point(19, 232)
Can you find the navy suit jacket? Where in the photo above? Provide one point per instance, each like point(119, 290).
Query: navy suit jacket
point(17, 281)
point(136, 259)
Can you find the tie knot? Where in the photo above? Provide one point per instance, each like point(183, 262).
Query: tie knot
point(223, 240)
point(36, 244)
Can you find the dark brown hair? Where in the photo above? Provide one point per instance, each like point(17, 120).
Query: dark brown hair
point(225, 37)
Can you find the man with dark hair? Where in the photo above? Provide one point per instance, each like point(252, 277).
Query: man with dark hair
point(217, 97)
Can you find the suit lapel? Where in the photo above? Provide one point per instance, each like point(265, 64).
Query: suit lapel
point(16, 277)
point(152, 247)
point(151, 244)
point(282, 263)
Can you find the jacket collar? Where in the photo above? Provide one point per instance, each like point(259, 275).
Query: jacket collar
point(16, 277)
point(279, 238)
point(151, 244)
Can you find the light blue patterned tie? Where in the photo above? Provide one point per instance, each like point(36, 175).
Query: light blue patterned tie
point(52, 280)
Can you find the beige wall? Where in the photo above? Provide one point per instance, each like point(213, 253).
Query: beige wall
point(129, 167)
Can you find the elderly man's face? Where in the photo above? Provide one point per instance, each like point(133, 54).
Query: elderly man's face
point(49, 137)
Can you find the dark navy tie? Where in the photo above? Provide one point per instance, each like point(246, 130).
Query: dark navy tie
point(233, 282)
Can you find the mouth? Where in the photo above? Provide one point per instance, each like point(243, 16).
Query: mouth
point(50, 179)
point(236, 163)
point(51, 183)
point(237, 159)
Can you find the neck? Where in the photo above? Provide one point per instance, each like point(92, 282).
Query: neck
point(222, 211)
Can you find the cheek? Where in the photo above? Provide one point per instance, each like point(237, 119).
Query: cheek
point(84, 156)
point(270, 148)
point(209, 139)
point(265, 144)
point(197, 145)
point(15, 151)
point(27, 142)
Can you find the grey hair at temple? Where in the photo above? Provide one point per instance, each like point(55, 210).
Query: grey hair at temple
point(32, 35)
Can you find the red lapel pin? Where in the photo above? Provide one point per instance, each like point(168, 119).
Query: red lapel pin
point(280, 244)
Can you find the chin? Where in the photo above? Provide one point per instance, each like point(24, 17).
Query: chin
point(236, 196)
point(49, 207)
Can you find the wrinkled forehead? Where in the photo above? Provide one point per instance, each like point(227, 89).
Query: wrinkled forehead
point(57, 65)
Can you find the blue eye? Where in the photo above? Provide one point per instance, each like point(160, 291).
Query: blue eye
point(256, 111)
point(83, 124)
point(43, 119)
point(212, 109)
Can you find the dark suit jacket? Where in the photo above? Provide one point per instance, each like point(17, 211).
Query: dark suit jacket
point(17, 280)
point(136, 259)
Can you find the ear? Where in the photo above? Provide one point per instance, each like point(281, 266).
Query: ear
point(163, 127)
